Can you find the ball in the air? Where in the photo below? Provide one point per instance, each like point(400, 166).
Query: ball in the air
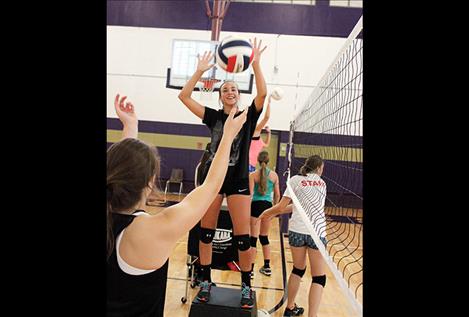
point(277, 93)
point(234, 54)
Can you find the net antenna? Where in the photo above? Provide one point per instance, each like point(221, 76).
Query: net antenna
point(329, 124)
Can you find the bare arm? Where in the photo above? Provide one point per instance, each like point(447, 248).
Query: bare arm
point(260, 81)
point(267, 141)
point(264, 120)
point(251, 184)
point(128, 117)
point(276, 190)
point(186, 93)
point(288, 209)
point(277, 209)
point(258, 130)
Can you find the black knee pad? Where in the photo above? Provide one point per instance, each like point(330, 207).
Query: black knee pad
point(264, 240)
point(321, 280)
point(253, 242)
point(206, 235)
point(298, 272)
point(242, 241)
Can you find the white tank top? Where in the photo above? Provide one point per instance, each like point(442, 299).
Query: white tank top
point(122, 264)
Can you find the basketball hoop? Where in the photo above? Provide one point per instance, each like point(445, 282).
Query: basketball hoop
point(208, 85)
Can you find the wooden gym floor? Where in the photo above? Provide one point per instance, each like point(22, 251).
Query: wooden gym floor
point(269, 289)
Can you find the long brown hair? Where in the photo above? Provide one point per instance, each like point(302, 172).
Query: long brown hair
point(131, 165)
point(263, 159)
point(311, 164)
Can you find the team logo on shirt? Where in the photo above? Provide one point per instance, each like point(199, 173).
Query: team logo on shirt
point(312, 183)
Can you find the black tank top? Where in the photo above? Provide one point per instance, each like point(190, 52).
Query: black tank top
point(133, 295)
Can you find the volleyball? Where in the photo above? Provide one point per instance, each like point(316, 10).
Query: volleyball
point(277, 93)
point(234, 54)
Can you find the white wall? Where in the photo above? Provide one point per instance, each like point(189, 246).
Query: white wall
point(137, 60)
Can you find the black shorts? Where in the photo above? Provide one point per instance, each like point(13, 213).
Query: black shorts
point(235, 187)
point(231, 184)
point(258, 207)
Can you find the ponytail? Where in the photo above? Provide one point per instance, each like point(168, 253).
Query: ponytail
point(311, 164)
point(262, 179)
point(304, 170)
point(263, 159)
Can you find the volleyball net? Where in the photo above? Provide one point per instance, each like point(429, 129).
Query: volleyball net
point(329, 124)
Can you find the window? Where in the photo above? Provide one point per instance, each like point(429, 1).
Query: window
point(346, 3)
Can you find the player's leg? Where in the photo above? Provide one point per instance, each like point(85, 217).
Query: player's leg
point(264, 240)
point(318, 273)
point(240, 212)
point(298, 251)
point(254, 234)
point(207, 231)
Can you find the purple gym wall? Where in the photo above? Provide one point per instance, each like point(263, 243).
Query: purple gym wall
point(187, 159)
point(311, 20)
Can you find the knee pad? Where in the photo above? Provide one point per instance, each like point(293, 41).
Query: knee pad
point(206, 235)
point(264, 240)
point(242, 242)
point(253, 242)
point(298, 272)
point(321, 280)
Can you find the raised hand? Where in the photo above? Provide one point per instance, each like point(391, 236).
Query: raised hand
point(128, 117)
point(233, 125)
point(204, 61)
point(256, 50)
point(125, 112)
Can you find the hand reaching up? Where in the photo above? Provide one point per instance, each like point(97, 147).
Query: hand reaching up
point(125, 112)
point(204, 61)
point(256, 50)
point(128, 117)
point(233, 125)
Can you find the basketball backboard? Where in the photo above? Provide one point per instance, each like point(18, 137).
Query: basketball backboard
point(184, 63)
